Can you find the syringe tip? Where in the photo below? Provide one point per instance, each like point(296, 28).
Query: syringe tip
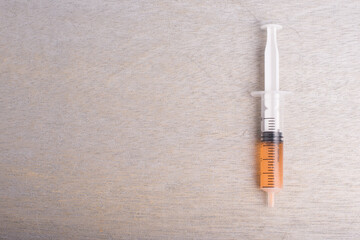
point(271, 199)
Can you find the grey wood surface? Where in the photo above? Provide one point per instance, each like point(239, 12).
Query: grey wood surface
point(133, 119)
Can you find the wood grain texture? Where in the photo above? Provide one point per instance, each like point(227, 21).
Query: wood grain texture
point(133, 120)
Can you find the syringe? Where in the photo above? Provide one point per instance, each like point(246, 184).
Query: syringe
point(271, 144)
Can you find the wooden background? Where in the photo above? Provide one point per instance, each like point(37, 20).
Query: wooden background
point(134, 120)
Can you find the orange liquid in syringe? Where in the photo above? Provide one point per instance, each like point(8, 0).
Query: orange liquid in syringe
point(271, 165)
